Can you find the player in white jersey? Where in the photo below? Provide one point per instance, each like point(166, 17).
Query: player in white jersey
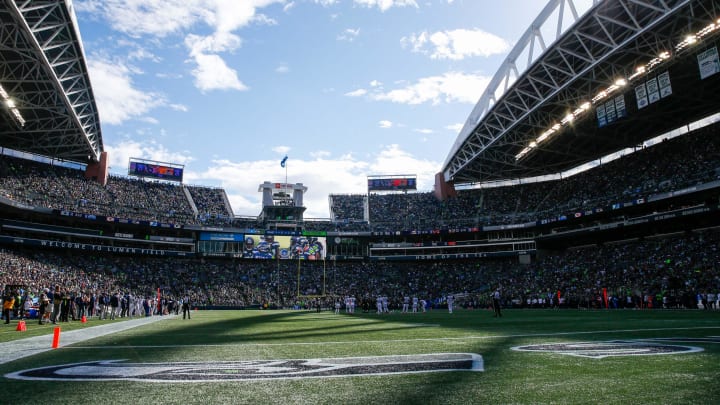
point(406, 304)
point(385, 307)
point(337, 307)
point(423, 304)
point(352, 304)
point(450, 301)
point(379, 304)
point(414, 304)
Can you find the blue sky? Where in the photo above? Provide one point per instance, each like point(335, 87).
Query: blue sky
point(344, 88)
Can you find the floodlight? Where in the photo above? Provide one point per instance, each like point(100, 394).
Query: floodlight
point(533, 144)
point(10, 103)
point(691, 39)
point(664, 55)
point(620, 82)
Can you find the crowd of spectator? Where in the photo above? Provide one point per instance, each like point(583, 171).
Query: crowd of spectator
point(670, 165)
point(669, 272)
point(212, 205)
point(348, 207)
point(62, 188)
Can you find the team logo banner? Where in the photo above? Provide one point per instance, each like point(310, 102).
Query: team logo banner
point(254, 369)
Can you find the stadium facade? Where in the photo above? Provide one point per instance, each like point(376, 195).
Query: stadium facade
point(622, 73)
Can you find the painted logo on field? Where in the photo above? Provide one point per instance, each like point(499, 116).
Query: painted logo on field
point(599, 350)
point(254, 369)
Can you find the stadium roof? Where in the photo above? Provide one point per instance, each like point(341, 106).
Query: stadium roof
point(503, 136)
point(51, 109)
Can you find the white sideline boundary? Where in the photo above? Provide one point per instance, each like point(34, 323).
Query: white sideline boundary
point(17, 349)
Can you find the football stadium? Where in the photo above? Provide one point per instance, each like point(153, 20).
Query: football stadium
point(569, 252)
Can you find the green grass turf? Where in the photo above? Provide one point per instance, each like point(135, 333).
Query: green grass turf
point(509, 377)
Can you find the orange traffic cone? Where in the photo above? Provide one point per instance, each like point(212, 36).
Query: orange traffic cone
point(56, 338)
point(83, 319)
point(21, 326)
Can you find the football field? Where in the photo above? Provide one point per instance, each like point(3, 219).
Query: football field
point(298, 357)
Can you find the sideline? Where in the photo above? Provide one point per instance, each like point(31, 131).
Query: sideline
point(17, 349)
point(386, 341)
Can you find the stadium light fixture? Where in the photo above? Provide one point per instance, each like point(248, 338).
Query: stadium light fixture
point(543, 137)
point(639, 71)
point(10, 103)
point(599, 96)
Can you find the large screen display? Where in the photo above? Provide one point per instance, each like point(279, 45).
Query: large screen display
point(155, 171)
point(284, 247)
point(392, 183)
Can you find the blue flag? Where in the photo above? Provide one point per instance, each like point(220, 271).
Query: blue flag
point(282, 162)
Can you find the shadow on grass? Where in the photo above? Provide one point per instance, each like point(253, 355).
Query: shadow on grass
point(302, 334)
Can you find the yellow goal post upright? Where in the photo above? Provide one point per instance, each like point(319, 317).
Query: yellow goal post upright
point(299, 271)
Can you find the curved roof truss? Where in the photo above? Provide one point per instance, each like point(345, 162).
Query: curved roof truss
point(43, 72)
point(606, 41)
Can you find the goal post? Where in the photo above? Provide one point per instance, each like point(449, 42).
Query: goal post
point(312, 274)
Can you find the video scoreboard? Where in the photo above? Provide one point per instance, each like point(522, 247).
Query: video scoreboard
point(155, 170)
point(392, 183)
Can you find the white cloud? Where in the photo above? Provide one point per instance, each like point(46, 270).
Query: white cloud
point(120, 153)
point(212, 73)
point(149, 17)
point(456, 44)
point(141, 53)
point(349, 35)
point(282, 150)
point(385, 124)
point(179, 107)
point(165, 17)
point(218, 42)
point(288, 6)
point(167, 75)
point(241, 179)
point(162, 18)
point(325, 2)
point(454, 127)
point(150, 120)
point(282, 69)
point(384, 5)
point(393, 160)
point(116, 97)
point(262, 19)
point(356, 93)
point(375, 83)
point(450, 87)
point(423, 130)
point(319, 154)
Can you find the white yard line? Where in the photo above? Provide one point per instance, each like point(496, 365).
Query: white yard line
point(18, 349)
point(355, 342)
